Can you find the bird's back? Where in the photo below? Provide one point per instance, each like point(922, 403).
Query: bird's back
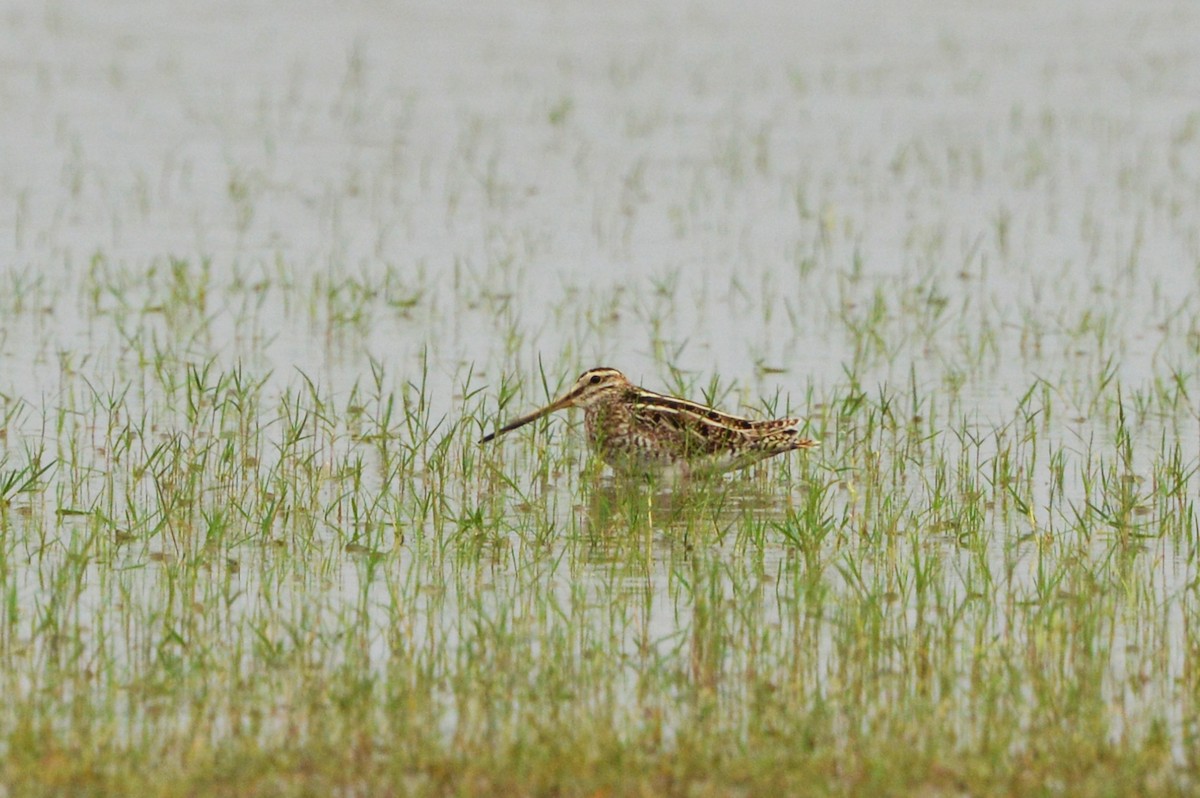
point(648, 431)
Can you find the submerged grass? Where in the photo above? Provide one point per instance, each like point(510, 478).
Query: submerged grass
point(211, 585)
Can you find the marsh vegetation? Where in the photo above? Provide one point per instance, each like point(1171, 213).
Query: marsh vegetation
point(260, 303)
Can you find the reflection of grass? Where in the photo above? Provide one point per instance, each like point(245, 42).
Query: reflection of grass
point(338, 592)
point(253, 579)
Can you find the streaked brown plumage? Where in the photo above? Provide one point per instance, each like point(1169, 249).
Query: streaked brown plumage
point(640, 431)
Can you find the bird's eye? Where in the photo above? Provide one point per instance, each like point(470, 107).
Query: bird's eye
point(595, 379)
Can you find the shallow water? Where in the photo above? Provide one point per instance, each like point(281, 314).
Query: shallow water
point(964, 205)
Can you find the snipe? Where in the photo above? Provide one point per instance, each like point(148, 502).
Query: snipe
point(639, 431)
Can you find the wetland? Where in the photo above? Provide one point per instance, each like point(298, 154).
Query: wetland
point(270, 273)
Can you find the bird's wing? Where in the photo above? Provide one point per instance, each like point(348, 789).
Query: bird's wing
point(689, 432)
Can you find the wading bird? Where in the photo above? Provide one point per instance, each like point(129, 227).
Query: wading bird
point(637, 431)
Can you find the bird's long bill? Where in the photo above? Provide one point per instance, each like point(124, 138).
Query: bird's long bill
point(557, 404)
